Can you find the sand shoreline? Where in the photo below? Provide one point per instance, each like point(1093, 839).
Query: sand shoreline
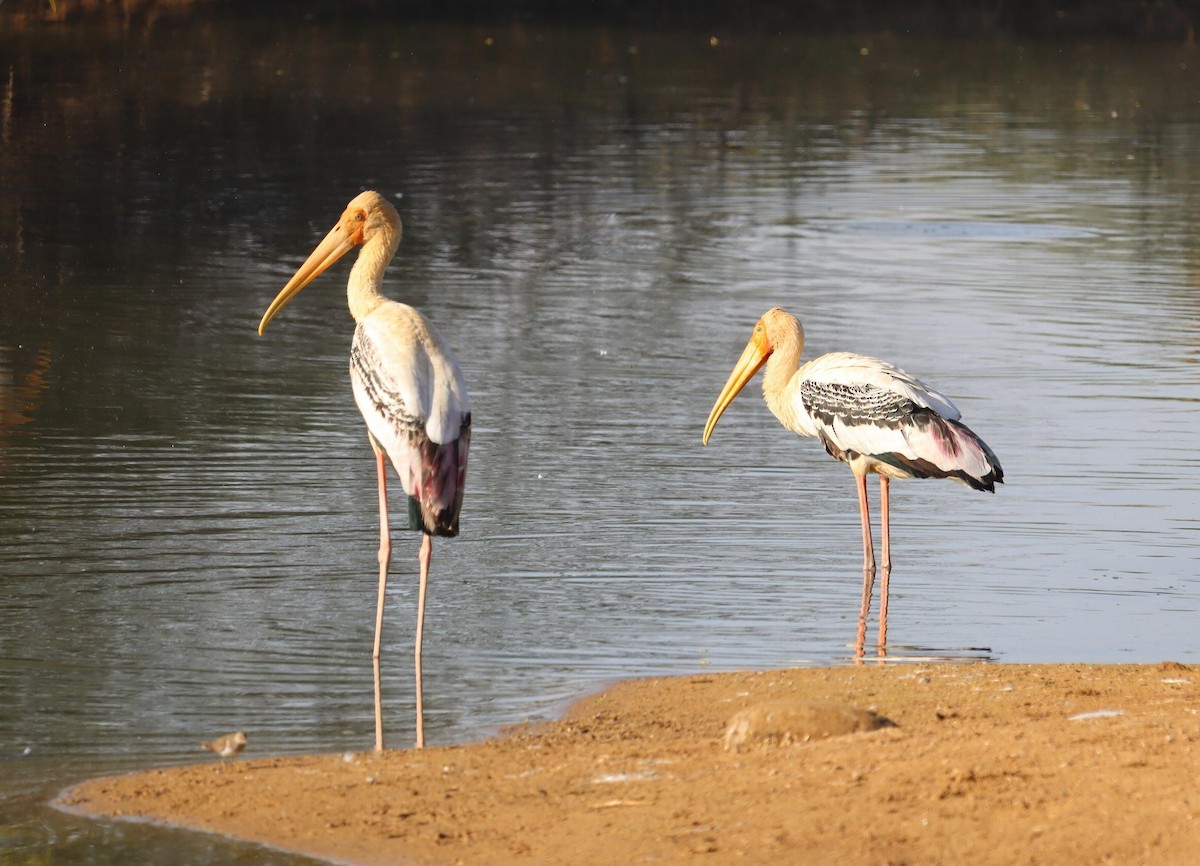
point(987, 763)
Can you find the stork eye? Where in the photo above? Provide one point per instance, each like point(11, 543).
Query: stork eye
point(360, 216)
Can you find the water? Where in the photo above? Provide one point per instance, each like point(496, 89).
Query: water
point(595, 219)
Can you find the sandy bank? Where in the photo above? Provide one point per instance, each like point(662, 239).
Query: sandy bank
point(1000, 764)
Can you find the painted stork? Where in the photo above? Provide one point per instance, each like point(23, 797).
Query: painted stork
point(410, 392)
point(868, 414)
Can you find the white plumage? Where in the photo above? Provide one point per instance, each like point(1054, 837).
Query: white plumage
point(880, 419)
point(414, 400)
point(419, 366)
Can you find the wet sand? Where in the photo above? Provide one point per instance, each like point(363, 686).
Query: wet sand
point(982, 764)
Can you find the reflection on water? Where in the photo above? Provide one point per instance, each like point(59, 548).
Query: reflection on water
point(594, 219)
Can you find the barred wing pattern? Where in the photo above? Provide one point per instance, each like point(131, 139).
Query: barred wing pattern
point(864, 409)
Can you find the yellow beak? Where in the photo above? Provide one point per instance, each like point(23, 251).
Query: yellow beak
point(753, 357)
point(335, 245)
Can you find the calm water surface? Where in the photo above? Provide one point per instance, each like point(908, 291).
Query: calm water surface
point(595, 219)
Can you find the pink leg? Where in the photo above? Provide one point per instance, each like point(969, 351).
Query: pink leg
point(385, 557)
point(863, 610)
point(868, 562)
point(865, 513)
point(424, 559)
point(884, 520)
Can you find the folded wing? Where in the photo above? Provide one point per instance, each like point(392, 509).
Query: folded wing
point(414, 400)
point(872, 413)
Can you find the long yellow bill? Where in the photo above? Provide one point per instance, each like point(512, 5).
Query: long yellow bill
point(335, 245)
point(753, 357)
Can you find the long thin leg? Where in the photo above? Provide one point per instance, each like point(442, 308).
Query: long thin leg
point(868, 561)
point(385, 558)
point(886, 551)
point(884, 522)
point(865, 513)
point(863, 610)
point(424, 558)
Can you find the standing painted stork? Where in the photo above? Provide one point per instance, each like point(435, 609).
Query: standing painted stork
point(867, 413)
point(410, 392)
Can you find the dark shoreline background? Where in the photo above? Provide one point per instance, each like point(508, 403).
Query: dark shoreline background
point(1166, 20)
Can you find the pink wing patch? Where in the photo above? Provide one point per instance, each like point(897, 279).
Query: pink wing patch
point(438, 478)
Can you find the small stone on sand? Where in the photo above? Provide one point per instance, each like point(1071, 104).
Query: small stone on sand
point(785, 722)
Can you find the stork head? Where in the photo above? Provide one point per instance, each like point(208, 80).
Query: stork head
point(369, 219)
point(774, 328)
